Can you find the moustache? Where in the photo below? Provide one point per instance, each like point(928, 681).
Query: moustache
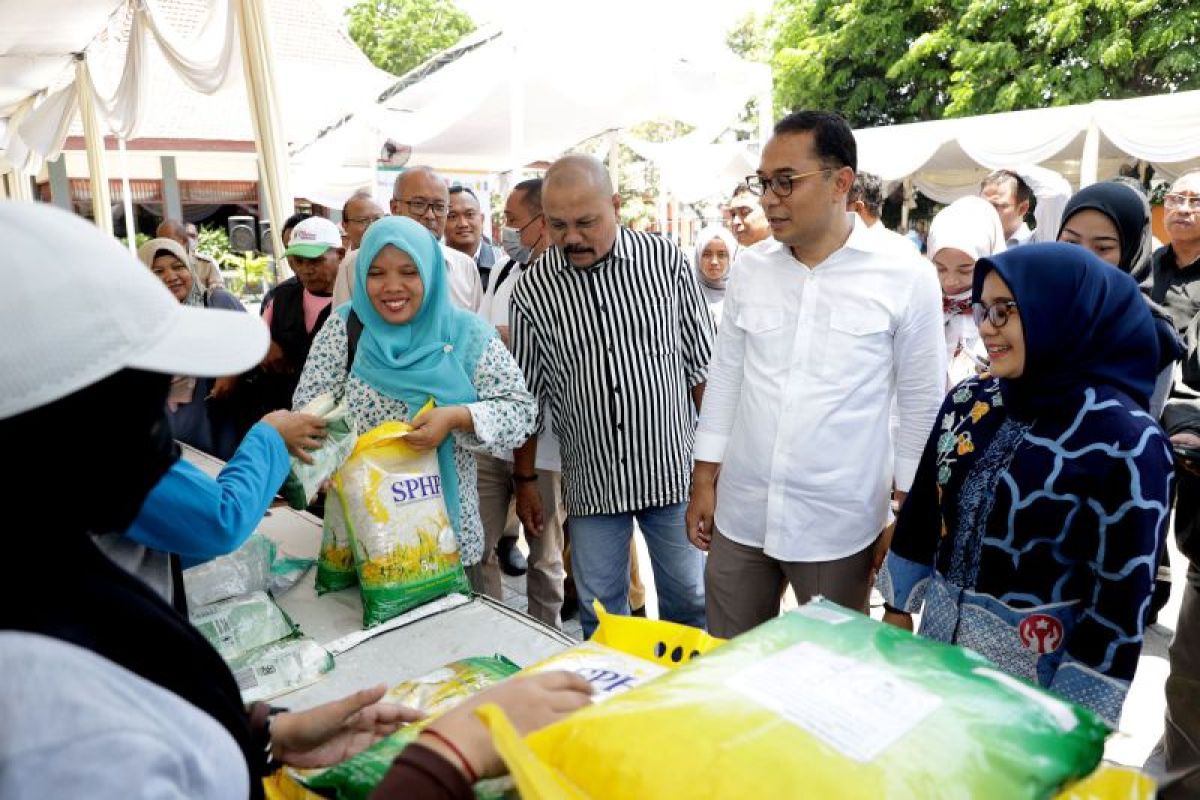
point(575, 248)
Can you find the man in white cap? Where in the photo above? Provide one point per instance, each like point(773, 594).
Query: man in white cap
point(297, 310)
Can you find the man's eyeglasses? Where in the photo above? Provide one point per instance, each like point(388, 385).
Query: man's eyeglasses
point(419, 207)
point(997, 313)
point(368, 221)
point(781, 185)
point(1184, 201)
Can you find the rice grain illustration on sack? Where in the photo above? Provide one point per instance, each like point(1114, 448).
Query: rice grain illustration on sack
point(405, 549)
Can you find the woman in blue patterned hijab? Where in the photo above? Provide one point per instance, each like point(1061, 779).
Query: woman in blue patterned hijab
point(1034, 524)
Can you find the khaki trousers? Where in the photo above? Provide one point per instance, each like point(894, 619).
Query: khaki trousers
point(743, 585)
point(546, 574)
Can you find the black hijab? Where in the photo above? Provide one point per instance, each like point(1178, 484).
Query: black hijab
point(1129, 211)
point(83, 465)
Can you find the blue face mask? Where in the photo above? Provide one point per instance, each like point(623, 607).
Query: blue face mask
point(510, 240)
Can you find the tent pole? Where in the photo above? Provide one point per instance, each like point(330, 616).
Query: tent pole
point(127, 196)
point(516, 117)
point(614, 159)
point(766, 111)
point(263, 95)
point(906, 197)
point(1089, 165)
point(97, 169)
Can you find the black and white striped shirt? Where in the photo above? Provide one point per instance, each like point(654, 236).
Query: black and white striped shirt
point(614, 350)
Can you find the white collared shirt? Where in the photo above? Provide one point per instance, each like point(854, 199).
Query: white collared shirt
point(495, 310)
point(1021, 235)
point(800, 389)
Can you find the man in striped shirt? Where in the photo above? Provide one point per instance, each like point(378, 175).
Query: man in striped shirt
point(614, 338)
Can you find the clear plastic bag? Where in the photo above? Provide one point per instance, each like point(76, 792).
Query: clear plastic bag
point(304, 480)
point(240, 624)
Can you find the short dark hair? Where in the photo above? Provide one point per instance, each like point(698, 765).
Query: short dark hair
point(531, 194)
point(458, 188)
point(361, 194)
point(294, 220)
point(1002, 176)
point(832, 138)
point(869, 189)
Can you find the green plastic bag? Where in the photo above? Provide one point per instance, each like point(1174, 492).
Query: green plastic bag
point(433, 693)
point(304, 480)
point(405, 550)
point(258, 565)
point(820, 702)
point(335, 563)
point(280, 667)
point(240, 624)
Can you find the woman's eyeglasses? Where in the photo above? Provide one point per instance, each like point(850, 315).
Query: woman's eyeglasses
point(997, 313)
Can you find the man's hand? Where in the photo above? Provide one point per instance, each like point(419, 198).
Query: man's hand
point(529, 506)
point(336, 731)
point(1191, 465)
point(275, 360)
point(702, 505)
point(300, 432)
point(431, 428)
point(899, 619)
point(883, 543)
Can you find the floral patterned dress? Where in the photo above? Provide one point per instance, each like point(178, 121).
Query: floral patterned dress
point(1035, 542)
point(504, 416)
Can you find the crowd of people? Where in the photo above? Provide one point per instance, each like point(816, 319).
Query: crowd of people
point(991, 432)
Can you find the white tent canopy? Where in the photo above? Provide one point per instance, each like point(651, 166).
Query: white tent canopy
point(946, 159)
point(507, 97)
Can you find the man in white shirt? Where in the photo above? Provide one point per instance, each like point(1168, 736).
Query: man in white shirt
point(1011, 196)
point(464, 232)
point(421, 194)
point(866, 199)
point(824, 326)
point(525, 239)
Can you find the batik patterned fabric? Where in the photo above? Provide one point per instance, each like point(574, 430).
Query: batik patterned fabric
point(1036, 543)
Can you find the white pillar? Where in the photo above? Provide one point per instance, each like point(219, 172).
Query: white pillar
point(614, 159)
point(94, 137)
point(907, 201)
point(258, 61)
point(127, 196)
point(1089, 164)
point(516, 118)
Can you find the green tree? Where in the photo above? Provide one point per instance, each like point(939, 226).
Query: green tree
point(881, 62)
point(398, 35)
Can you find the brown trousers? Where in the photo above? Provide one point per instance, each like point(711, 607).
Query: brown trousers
point(743, 585)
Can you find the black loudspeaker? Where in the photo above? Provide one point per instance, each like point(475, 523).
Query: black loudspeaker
point(242, 236)
point(264, 237)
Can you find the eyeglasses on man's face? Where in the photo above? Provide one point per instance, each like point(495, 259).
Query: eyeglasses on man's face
point(1187, 202)
point(420, 206)
point(365, 221)
point(997, 313)
point(781, 185)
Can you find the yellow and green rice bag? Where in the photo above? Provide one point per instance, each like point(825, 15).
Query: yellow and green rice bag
point(405, 550)
point(335, 563)
point(820, 702)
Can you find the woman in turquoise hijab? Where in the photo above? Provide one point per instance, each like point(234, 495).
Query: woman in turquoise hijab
point(415, 345)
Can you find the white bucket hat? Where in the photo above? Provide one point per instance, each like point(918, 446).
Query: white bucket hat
point(76, 307)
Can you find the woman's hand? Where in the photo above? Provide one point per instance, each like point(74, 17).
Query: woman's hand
point(431, 428)
point(333, 732)
point(899, 619)
point(300, 432)
point(530, 702)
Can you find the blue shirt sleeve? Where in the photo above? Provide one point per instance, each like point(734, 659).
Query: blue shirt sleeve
point(199, 517)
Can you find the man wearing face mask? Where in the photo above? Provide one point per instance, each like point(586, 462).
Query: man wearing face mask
point(524, 239)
